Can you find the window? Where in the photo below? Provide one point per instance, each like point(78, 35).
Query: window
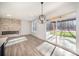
point(63, 33)
point(34, 26)
point(66, 30)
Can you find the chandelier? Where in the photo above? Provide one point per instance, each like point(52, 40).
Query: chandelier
point(42, 16)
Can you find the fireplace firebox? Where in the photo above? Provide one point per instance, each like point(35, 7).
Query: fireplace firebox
point(9, 32)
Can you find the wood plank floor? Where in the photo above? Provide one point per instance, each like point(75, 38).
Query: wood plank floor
point(25, 48)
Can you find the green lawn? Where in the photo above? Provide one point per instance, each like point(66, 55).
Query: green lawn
point(65, 34)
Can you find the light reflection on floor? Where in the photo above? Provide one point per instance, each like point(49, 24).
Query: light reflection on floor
point(47, 49)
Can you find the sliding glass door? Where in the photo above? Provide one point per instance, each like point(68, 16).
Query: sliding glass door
point(51, 31)
point(63, 33)
point(66, 30)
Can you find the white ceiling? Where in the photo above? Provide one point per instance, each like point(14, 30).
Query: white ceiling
point(61, 9)
point(19, 10)
point(30, 10)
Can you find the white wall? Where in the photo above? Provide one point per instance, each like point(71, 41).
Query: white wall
point(41, 31)
point(25, 27)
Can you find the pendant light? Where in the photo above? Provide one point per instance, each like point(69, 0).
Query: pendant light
point(42, 16)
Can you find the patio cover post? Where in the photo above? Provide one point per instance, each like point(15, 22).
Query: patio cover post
point(77, 27)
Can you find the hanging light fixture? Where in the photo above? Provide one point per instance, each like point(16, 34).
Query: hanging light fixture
point(42, 16)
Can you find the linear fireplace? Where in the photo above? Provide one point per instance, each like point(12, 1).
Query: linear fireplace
point(9, 32)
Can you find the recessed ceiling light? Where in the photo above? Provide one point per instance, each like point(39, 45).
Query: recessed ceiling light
point(8, 15)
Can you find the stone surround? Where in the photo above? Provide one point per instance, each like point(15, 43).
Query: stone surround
point(7, 24)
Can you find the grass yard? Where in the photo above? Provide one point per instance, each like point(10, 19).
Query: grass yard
point(65, 34)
